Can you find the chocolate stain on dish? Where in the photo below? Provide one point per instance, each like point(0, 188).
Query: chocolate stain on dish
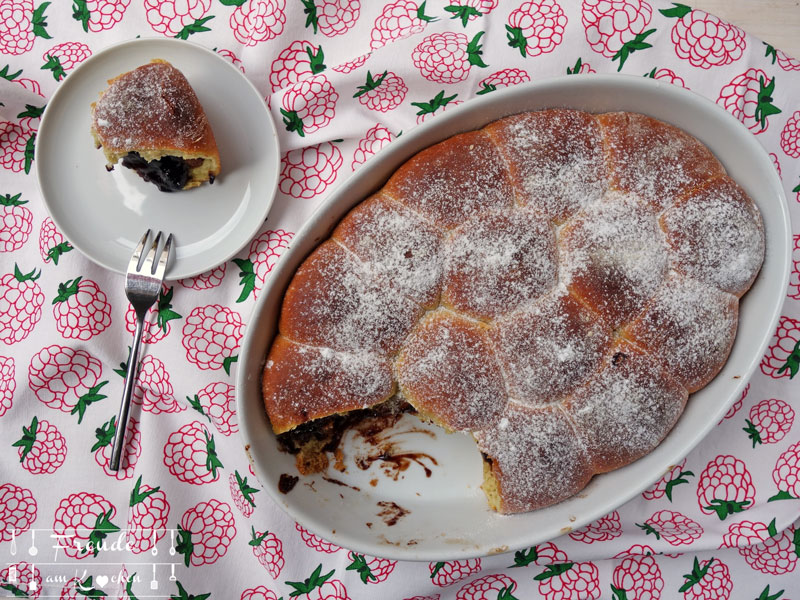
point(341, 483)
point(383, 444)
point(391, 512)
point(287, 482)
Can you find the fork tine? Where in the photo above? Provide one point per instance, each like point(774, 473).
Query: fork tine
point(137, 253)
point(148, 265)
point(161, 268)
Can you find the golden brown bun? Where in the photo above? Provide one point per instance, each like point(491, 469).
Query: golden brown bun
point(578, 276)
point(154, 112)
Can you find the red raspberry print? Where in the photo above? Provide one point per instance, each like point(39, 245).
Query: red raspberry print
point(725, 487)
point(99, 15)
point(616, 28)
point(435, 106)
point(20, 24)
point(52, 244)
point(319, 587)
point(331, 17)
point(64, 57)
point(703, 39)
point(376, 138)
point(231, 57)
point(147, 517)
point(265, 250)
point(770, 420)
point(259, 593)
point(536, 27)
point(434, 597)
point(268, 549)
point(21, 301)
point(637, 577)
point(783, 356)
point(42, 448)
point(543, 554)
point(66, 379)
point(580, 68)
point(790, 136)
point(786, 473)
point(257, 21)
point(776, 163)
point(17, 146)
point(667, 75)
point(157, 321)
point(177, 18)
point(211, 336)
point(469, 10)
point(81, 309)
point(153, 390)
point(205, 281)
point(398, 20)
point(31, 85)
point(22, 579)
point(569, 580)
point(352, 65)
point(665, 486)
point(370, 569)
point(205, 532)
point(786, 62)
point(242, 493)
point(307, 172)
point(7, 383)
point(604, 529)
point(301, 59)
point(490, 587)
point(736, 406)
point(673, 527)
point(383, 93)
point(83, 522)
point(502, 79)
point(794, 278)
point(447, 573)
point(763, 547)
point(104, 437)
point(748, 97)
point(448, 57)
point(17, 511)
point(635, 551)
point(709, 580)
point(190, 454)
point(16, 222)
point(217, 402)
point(309, 105)
point(315, 542)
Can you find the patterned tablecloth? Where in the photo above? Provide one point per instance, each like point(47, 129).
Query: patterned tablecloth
point(344, 78)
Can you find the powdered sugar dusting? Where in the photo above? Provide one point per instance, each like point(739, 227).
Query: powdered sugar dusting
point(498, 261)
point(555, 158)
point(537, 457)
point(613, 255)
point(656, 160)
point(448, 368)
point(395, 244)
point(143, 106)
point(717, 236)
point(549, 348)
point(689, 327)
point(333, 301)
point(626, 409)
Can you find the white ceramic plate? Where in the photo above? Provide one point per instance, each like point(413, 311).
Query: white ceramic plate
point(104, 214)
point(448, 517)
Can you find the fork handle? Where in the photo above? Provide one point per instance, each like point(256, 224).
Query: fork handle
point(124, 407)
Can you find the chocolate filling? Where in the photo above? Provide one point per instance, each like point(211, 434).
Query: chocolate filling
point(169, 173)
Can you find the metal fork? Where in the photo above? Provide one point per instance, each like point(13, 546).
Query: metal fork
point(142, 286)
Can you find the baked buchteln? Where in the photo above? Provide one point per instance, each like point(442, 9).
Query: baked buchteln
point(151, 119)
point(555, 284)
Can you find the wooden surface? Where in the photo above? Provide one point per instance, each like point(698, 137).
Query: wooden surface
point(776, 22)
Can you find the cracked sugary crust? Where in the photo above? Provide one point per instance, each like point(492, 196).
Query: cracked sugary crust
point(555, 284)
point(153, 110)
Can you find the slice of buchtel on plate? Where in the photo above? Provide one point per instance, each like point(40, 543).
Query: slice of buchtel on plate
point(151, 119)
